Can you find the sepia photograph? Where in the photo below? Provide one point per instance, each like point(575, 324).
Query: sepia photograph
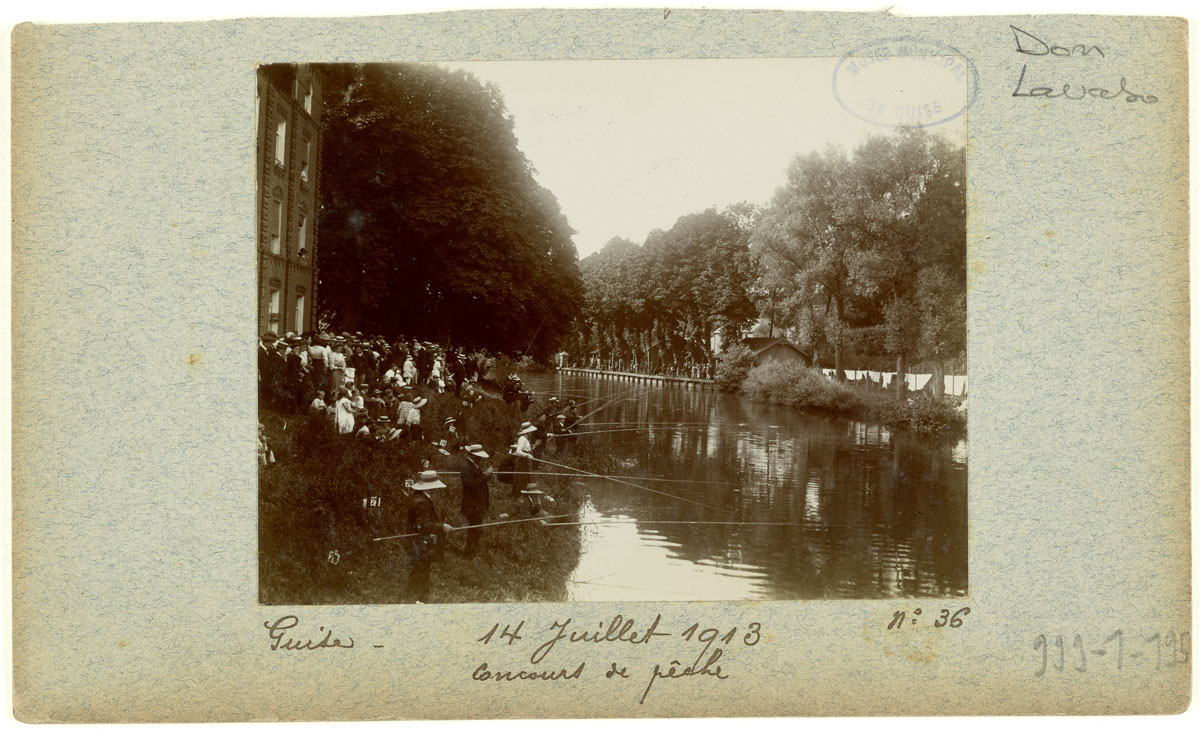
point(606, 331)
point(600, 363)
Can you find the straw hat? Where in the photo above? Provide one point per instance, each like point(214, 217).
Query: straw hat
point(476, 450)
point(449, 420)
point(526, 428)
point(427, 481)
point(419, 402)
point(533, 491)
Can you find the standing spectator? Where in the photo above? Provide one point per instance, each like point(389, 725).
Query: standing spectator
point(345, 412)
point(475, 495)
point(410, 371)
point(413, 419)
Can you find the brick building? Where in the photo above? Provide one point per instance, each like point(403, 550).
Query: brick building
point(289, 156)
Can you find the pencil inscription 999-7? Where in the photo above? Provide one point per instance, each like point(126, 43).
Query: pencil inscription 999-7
point(1116, 651)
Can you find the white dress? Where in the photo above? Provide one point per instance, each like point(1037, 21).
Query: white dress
point(345, 416)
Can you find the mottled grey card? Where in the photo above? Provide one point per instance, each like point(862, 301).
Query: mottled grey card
point(172, 218)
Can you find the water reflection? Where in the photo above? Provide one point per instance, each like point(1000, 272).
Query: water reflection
point(822, 508)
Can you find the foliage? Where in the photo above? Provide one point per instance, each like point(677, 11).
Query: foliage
point(732, 367)
point(796, 385)
point(662, 301)
point(925, 415)
point(432, 223)
point(848, 240)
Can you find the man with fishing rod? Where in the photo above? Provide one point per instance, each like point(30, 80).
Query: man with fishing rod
point(523, 463)
point(425, 520)
point(475, 494)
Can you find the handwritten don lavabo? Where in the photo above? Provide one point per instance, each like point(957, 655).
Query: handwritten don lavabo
point(713, 646)
point(1029, 44)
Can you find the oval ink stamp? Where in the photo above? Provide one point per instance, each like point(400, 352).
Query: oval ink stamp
point(905, 82)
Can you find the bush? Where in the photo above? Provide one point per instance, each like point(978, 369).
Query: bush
point(924, 415)
point(799, 386)
point(732, 367)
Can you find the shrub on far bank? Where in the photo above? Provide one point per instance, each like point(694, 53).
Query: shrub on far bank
point(924, 415)
point(795, 385)
point(805, 388)
point(732, 367)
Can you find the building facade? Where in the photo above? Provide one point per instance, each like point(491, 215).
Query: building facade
point(289, 113)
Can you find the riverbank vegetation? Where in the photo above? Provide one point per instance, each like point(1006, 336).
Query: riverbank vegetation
point(804, 388)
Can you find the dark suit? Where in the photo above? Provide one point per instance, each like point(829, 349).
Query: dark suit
point(423, 518)
point(475, 500)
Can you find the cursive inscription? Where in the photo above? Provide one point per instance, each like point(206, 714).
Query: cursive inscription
point(1082, 92)
point(674, 670)
point(277, 632)
point(1031, 45)
point(619, 629)
point(483, 674)
point(570, 643)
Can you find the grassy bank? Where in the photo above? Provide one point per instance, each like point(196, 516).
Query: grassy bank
point(805, 388)
point(311, 504)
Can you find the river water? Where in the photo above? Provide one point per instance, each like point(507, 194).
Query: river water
point(793, 506)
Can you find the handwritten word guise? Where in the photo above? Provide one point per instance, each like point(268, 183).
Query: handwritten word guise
point(1083, 92)
point(281, 640)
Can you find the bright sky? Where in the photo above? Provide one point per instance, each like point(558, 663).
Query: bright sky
point(630, 146)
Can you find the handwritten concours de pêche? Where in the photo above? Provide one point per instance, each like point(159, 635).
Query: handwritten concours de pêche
point(704, 648)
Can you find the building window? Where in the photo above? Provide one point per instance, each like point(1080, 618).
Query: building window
point(308, 100)
point(280, 142)
point(299, 323)
point(304, 160)
point(302, 237)
point(273, 309)
point(276, 226)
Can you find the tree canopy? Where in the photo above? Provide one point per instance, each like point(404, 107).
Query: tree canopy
point(661, 302)
point(867, 247)
point(432, 223)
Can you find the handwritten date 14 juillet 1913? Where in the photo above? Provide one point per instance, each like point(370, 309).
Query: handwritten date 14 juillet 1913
point(1116, 651)
point(704, 648)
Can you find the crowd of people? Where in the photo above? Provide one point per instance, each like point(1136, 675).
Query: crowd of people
point(297, 371)
point(656, 366)
point(365, 387)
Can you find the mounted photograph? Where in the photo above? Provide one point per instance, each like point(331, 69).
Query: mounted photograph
point(592, 331)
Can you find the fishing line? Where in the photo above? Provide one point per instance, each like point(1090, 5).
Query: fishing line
point(634, 485)
point(474, 526)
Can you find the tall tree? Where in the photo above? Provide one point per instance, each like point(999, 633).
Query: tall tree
point(432, 222)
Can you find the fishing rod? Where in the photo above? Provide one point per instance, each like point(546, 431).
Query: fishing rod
point(627, 483)
point(659, 521)
point(622, 391)
point(474, 526)
point(648, 422)
point(641, 391)
point(597, 475)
